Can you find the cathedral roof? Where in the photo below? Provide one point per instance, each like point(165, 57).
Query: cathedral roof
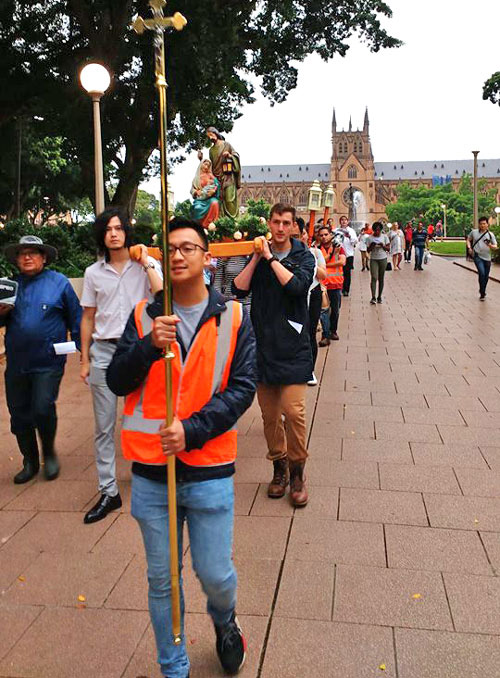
point(426, 169)
point(256, 174)
point(387, 171)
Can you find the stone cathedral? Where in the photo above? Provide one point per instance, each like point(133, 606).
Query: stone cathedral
point(352, 171)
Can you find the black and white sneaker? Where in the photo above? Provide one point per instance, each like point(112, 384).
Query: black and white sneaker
point(379, 300)
point(373, 300)
point(231, 646)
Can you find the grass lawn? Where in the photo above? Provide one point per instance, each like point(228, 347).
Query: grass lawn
point(450, 247)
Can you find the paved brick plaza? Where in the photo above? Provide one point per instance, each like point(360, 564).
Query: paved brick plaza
point(391, 570)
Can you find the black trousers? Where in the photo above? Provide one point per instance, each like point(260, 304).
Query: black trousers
point(349, 265)
point(31, 399)
point(408, 246)
point(314, 313)
point(335, 304)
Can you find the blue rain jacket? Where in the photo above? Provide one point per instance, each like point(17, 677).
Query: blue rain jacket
point(46, 309)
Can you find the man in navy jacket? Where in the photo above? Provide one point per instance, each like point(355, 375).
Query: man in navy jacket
point(279, 279)
point(46, 309)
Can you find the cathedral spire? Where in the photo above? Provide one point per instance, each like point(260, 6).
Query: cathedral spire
point(350, 123)
point(366, 123)
point(334, 123)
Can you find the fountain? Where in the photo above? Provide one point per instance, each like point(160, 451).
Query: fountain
point(357, 208)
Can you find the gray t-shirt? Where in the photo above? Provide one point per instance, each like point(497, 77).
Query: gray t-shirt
point(482, 249)
point(280, 255)
point(190, 316)
point(377, 253)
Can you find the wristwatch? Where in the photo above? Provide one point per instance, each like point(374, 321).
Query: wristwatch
point(273, 258)
point(147, 266)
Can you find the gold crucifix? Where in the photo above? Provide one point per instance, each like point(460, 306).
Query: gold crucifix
point(159, 23)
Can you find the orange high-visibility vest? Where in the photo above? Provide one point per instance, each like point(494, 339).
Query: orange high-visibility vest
point(204, 373)
point(334, 272)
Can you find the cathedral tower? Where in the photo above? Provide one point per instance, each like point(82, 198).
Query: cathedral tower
point(352, 165)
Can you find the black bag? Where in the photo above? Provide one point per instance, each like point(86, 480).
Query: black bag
point(388, 266)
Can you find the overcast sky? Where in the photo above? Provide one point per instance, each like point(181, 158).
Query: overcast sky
point(424, 99)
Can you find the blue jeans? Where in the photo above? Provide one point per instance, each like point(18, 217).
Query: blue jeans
point(31, 399)
point(324, 319)
point(330, 317)
point(208, 509)
point(419, 256)
point(483, 271)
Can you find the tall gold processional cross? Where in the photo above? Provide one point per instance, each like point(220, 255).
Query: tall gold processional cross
point(158, 24)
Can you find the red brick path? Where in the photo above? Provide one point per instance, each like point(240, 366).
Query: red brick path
point(391, 570)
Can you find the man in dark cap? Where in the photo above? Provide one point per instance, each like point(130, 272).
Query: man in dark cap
point(46, 308)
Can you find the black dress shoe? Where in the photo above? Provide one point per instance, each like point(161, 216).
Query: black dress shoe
point(102, 508)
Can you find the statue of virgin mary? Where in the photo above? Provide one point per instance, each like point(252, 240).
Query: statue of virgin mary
point(205, 190)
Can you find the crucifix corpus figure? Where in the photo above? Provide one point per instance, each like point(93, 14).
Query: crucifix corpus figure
point(226, 167)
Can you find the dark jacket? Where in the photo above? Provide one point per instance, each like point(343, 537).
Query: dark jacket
point(133, 359)
point(46, 309)
point(284, 353)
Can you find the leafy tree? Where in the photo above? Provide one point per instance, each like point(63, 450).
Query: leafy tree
point(183, 209)
point(49, 182)
point(147, 217)
point(491, 89)
point(422, 203)
point(209, 66)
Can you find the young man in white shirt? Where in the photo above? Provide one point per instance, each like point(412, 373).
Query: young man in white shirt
point(111, 289)
point(350, 242)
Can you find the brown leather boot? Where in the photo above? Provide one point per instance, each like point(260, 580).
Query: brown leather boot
point(298, 491)
point(278, 484)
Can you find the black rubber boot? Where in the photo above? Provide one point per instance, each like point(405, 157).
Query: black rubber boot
point(29, 449)
point(51, 463)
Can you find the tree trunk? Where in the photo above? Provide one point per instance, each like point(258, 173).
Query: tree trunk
point(130, 177)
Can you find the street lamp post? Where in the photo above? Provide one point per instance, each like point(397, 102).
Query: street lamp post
point(474, 223)
point(497, 212)
point(314, 204)
point(95, 79)
point(443, 207)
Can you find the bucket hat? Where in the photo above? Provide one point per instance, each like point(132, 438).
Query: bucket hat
point(11, 251)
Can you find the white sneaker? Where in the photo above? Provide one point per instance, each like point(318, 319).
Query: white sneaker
point(313, 381)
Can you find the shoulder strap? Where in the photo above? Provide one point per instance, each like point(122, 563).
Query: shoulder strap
point(480, 238)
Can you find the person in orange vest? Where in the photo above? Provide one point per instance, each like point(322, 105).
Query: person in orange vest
point(332, 250)
point(214, 382)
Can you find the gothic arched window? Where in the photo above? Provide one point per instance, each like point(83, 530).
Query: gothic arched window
point(303, 198)
point(284, 196)
point(352, 172)
point(345, 146)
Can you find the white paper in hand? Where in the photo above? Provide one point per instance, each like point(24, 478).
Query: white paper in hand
point(65, 347)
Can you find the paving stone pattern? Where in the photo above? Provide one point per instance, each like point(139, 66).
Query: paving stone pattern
point(391, 570)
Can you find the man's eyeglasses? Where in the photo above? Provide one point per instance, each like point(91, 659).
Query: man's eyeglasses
point(29, 253)
point(187, 249)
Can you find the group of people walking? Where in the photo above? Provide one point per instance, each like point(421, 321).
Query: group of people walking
point(221, 357)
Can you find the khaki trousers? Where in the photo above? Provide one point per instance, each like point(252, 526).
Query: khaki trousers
point(277, 400)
